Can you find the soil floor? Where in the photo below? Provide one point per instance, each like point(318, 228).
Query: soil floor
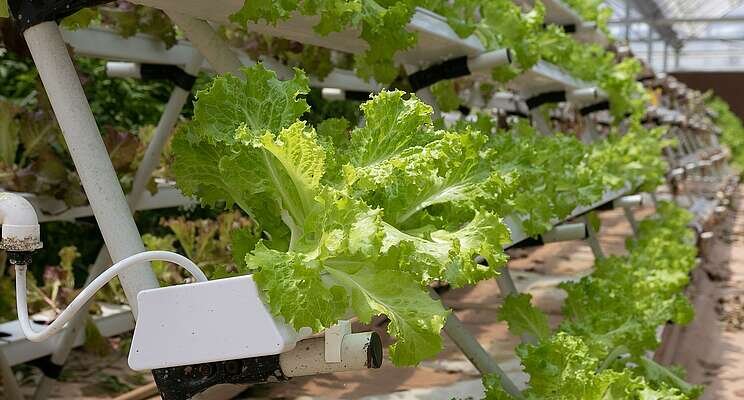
point(711, 348)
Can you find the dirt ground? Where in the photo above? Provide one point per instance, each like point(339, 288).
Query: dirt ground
point(711, 348)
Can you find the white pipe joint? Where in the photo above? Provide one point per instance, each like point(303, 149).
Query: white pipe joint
point(333, 94)
point(488, 61)
point(566, 232)
point(20, 225)
point(635, 200)
point(116, 69)
point(691, 166)
point(358, 351)
point(677, 172)
point(585, 95)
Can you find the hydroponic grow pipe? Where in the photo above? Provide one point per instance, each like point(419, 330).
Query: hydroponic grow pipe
point(89, 154)
point(147, 166)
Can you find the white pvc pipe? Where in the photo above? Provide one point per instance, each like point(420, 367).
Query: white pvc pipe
point(146, 167)
point(629, 201)
point(566, 232)
point(89, 154)
point(208, 42)
point(585, 95)
point(89, 291)
point(118, 69)
point(163, 132)
point(333, 94)
point(488, 61)
point(20, 225)
point(358, 351)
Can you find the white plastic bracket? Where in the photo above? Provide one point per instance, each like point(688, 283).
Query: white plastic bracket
point(334, 337)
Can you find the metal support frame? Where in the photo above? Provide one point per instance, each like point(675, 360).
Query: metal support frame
point(147, 166)
point(593, 239)
point(89, 155)
point(468, 344)
point(631, 219)
point(10, 385)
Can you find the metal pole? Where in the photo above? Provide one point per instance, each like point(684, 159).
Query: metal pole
point(483, 362)
point(89, 154)
point(163, 132)
point(677, 52)
point(593, 240)
point(650, 50)
point(627, 18)
point(666, 56)
point(10, 385)
point(202, 36)
point(149, 162)
point(631, 218)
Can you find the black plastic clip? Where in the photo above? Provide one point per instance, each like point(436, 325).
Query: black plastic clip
point(356, 95)
point(601, 106)
point(175, 74)
point(558, 96)
point(184, 382)
point(449, 69)
point(28, 13)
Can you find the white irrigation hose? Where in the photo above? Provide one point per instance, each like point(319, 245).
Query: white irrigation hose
point(89, 291)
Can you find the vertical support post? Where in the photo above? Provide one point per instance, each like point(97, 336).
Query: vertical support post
point(163, 132)
point(627, 22)
point(89, 154)
point(631, 219)
point(539, 122)
point(10, 385)
point(593, 240)
point(666, 56)
point(483, 362)
point(654, 199)
point(650, 49)
point(149, 162)
point(677, 52)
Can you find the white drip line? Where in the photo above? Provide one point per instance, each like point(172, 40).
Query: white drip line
point(89, 291)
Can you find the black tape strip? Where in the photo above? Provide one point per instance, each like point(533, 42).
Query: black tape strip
point(28, 13)
point(356, 95)
point(516, 114)
point(449, 69)
point(178, 76)
point(181, 383)
point(529, 242)
point(47, 367)
point(545, 98)
point(570, 28)
point(601, 106)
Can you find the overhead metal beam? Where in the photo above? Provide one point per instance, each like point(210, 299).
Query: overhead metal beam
point(692, 39)
point(651, 11)
point(672, 21)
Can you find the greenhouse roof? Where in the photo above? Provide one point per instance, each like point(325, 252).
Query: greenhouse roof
point(708, 33)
